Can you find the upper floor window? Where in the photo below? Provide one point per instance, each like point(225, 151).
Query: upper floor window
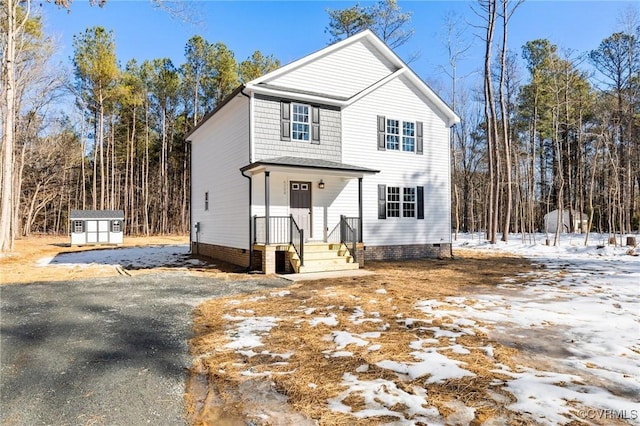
point(396, 135)
point(408, 136)
point(300, 122)
point(393, 134)
point(206, 201)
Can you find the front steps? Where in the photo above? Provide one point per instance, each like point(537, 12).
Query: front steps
point(323, 257)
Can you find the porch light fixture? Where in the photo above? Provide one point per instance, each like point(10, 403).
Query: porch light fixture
point(321, 184)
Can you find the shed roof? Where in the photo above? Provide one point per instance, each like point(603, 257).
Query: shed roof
point(96, 214)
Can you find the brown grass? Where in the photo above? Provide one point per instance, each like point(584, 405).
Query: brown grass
point(405, 283)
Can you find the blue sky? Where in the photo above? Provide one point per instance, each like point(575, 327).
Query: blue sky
point(292, 29)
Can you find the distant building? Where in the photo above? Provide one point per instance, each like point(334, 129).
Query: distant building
point(96, 227)
point(580, 221)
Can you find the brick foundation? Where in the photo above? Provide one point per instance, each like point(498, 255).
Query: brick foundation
point(232, 255)
point(413, 251)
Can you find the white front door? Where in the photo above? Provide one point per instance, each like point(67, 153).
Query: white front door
point(300, 206)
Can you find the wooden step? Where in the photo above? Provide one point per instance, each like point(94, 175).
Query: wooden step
point(325, 268)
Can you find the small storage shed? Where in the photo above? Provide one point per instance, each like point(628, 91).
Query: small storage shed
point(580, 221)
point(96, 227)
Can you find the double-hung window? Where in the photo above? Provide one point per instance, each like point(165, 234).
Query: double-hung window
point(399, 135)
point(393, 134)
point(300, 122)
point(408, 136)
point(405, 202)
point(408, 202)
point(393, 201)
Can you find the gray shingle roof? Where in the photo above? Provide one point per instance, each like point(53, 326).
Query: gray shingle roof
point(96, 214)
point(308, 163)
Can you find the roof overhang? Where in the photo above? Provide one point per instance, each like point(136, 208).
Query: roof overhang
point(307, 165)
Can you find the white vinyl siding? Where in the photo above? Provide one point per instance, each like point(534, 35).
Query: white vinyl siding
point(398, 100)
point(343, 73)
point(219, 149)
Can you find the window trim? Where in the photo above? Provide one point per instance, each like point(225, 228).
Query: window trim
point(78, 226)
point(383, 135)
point(413, 149)
point(409, 206)
point(395, 145)
point(392, 204)
point(308, 122)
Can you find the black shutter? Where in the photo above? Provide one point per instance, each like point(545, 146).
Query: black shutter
point(315, 125)
point(382, 201)
point(419, 143)
point(285, 121)
point(382, 146)
point(420, 201)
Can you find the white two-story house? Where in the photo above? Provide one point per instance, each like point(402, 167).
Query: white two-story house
point(337, 158)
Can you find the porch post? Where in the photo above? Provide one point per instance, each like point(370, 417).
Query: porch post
point(266, 207)
point(360, 209)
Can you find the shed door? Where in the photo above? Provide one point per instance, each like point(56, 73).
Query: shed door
point(300, 205)
point(92, 231)
point(103, 231)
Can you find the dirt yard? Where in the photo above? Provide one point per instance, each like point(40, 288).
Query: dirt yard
point(295, 353)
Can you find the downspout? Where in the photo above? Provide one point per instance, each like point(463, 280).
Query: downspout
point(191, 199)
point(452, 129)
point(250, 187)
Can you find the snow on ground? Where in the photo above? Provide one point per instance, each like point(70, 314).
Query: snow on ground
point(576, 321)
point(582, 314)
point(127, 257)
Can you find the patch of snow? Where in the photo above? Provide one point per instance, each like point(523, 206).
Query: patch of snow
point(433, 364)
point(344, 338)
point(381, 291)
point(380, 396)
point(280, 293)
point(461, 415)
point(127, 257)
point(247, 332)
point(330, 321)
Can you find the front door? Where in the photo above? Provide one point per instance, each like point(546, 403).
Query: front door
point(300, 206)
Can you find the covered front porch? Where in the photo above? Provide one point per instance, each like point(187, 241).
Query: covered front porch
point(306, 214)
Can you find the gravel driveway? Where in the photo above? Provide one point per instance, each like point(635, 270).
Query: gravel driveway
point(109, 351)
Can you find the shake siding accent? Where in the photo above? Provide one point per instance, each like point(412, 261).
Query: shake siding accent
point(268, 141)
point(397, 168)
point(343, 73)
point(220, 147)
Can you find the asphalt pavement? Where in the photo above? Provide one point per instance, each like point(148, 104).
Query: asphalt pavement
point(105, 351)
